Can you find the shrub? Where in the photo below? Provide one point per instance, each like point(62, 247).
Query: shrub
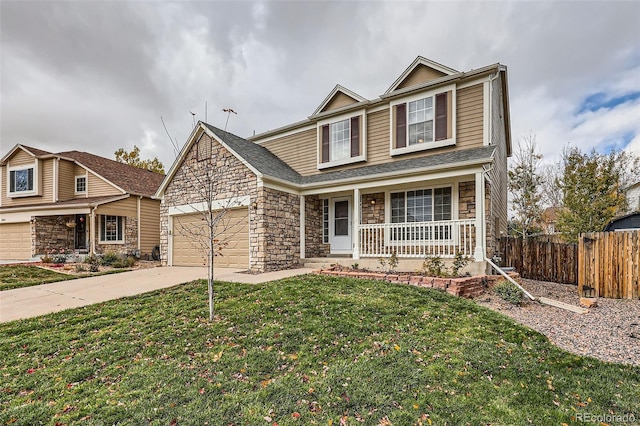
point(509, 292)
point(109, 258)
point(94, 267)
point(433, 266)
point(80, 268)
point(459, 262)
point(393, 261)
point(130, 262)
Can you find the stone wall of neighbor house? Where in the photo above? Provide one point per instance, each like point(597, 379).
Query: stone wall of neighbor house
point(51, 232)
point(278, 232)
point(372, 213)
point(130, 238)
point(314, 247)
point(230, 177)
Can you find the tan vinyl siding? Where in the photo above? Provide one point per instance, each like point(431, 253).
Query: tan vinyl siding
point(339, 100)
point(20, 158)
point(298, 150)
point(498, 173)
point(98, 187)
point(149, 224)
point(126, 207)
point(469, 121)
point(419, 75)
point(45, 186)
point(66, 180)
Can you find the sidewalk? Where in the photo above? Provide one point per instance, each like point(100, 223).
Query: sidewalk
point(42, 299)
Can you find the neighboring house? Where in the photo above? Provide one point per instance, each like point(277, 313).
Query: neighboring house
point(549, 220)
point(633, 197)
point(75, 200)
point(420, 170)
point(630, 221)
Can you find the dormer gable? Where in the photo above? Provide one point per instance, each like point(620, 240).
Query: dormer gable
point(22, 151)
point(339, 97)
point(420, 71)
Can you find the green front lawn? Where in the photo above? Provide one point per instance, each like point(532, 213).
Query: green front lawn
point(305, 350)
point(16, 276)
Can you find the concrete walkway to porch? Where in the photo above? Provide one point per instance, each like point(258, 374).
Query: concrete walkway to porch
point(43, 299)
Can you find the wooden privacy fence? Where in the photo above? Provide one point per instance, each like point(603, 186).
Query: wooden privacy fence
point(609, 263)
point(543, 258)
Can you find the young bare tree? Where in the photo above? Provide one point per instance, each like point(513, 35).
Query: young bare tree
point(205, 194)
point(525, 183)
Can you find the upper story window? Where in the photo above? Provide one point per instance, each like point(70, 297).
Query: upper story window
point(423, 121)
point(81, 184)
point(341, 141)
point(22, 181)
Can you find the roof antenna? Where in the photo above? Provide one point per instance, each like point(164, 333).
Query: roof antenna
point(228, 111)
point(193, 114)
point(205, 111)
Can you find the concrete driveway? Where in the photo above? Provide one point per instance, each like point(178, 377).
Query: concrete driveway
point(43, 299)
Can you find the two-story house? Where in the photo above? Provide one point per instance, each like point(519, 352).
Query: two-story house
point(75, 201)
point(419, 171)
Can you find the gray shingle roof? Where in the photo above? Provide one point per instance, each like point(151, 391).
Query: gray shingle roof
point(258, 156)
point(269, 164)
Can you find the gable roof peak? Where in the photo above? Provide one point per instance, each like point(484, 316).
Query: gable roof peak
point(34, 152)
point(421, 61)
point(336, 90)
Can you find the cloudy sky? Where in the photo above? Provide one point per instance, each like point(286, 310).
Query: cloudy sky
point(97, 76)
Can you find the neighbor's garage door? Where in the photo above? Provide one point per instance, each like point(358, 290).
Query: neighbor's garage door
point(15, 241)
point(189, 230)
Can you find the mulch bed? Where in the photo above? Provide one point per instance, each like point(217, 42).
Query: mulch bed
point(609, 331)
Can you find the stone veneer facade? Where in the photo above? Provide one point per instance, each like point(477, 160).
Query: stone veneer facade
point(51, 232)
point(314, 247)
point(278, 231)
point(130, 236)
point(274, 216)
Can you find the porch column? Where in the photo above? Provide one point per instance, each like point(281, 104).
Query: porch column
point(92, 232)
point(302, 227)
point(356, 224)
point(479, 251)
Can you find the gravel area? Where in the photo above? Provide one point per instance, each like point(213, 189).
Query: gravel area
point(609, 331)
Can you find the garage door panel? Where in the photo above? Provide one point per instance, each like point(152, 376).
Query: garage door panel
point(190, 240)
point(15, 241)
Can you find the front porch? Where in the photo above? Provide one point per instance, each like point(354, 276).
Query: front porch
point(411, 221)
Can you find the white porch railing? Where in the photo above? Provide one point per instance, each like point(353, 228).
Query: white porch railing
point(418, 239)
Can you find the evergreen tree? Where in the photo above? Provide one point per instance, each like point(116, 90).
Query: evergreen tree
point(592, 190)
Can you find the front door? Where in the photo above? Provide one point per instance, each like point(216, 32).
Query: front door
point(340, 225)
point(80, 232)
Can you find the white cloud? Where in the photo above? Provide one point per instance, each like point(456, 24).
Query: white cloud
point(71, 81)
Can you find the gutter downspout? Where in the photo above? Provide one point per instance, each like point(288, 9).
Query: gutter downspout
point(92, 225)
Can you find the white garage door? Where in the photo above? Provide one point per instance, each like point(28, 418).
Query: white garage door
point(190, 237)
point(15, 241)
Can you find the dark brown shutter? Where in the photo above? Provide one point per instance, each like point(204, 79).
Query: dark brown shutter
point(325, 143)
point(401, 125)
point(441, 116)
point(355, 136)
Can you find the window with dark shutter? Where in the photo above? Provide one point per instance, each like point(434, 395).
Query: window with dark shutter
point(355, 136)
point(325, 143)
point(401, 125)
point(441, 117)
